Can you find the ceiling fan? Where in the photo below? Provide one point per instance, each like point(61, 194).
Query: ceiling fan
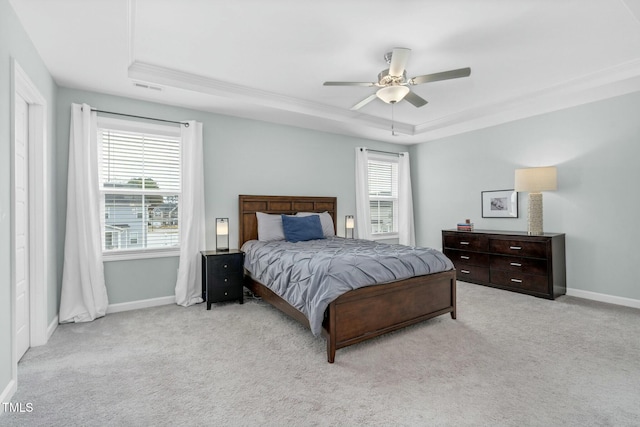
point(393, 82)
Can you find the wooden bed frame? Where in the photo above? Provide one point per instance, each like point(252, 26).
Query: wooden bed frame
point(363, 313)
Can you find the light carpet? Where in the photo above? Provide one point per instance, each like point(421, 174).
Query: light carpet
point(508, 360)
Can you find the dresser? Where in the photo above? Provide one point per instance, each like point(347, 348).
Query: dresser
point(510, 260)
point(222, 276)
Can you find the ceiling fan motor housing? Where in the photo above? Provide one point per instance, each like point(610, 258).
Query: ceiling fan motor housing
point(384, 79)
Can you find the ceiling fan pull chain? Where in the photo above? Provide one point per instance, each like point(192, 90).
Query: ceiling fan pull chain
point(393, 131)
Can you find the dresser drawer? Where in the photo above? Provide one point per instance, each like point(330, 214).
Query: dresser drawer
point(518, 248)
point(518, 264)
point(466, 257)
point(466, 241)
point(526, 282)
point(472, 273)
point(222, 265)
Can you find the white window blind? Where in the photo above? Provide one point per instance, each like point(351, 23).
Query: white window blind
point(140, 172)
point(383, 195)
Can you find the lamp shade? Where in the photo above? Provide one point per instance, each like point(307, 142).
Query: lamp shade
point(349, 223)
point(535, 180)
point(222, 234)
point(392, 94)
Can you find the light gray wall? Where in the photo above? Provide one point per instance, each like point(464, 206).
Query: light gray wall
point(596, 148)
point(241, 157)
point(14, 43)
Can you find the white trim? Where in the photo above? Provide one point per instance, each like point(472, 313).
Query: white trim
point(8, 392)
point(145, 303)
point(52, 327)
point(611, 299)
point(125, 255)
point(601, 84)
point(39, 191)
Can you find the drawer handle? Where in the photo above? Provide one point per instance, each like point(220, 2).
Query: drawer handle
point(515, 248)
point(225, 266)
point(465, 272)
point(464, 257)
point(516, 280)
point(226, 293)
point(226, 280)
point(464, 243)
point(516, 264)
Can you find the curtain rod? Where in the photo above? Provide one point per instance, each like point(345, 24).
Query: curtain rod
point(141, 117)
point(383, 152)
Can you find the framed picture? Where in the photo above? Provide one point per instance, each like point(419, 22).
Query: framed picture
point(500, 204)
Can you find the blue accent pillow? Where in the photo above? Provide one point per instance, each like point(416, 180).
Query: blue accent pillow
point(302, 228)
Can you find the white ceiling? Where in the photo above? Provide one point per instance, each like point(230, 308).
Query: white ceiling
point(267, 60)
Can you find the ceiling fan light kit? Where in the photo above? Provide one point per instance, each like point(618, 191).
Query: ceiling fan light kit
point(393, 82)
point(392, 94)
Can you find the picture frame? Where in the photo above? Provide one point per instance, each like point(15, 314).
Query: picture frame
point(500, 204)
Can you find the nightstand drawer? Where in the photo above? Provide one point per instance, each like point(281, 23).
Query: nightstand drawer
point(234, 279)
point(224, 264)
point(472, 273)
point(466, 257)
point(464, 241)
point(518, 248)
point(225, 293)
point(516, 280)
point(517, 264)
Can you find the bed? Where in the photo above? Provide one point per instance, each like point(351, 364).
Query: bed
point(358, 314)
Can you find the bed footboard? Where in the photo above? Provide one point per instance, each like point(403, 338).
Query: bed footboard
point(375, 310)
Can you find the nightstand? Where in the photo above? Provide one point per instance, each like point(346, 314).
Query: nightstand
point(222, 276)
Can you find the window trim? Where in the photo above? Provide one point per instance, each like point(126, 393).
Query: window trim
point(139, 127)
point(386, 235)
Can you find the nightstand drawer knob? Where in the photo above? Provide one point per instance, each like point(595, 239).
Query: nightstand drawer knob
point(516, 264)
point(465, 271)
point(464, 257)
point(225, 266)
point(226, 280)
point(226, 293)
point(464, 243)
point(516, 280)
point(515, 248)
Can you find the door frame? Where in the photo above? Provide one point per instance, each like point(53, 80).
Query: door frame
point(39, 154)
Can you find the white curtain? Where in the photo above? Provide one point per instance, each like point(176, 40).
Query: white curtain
point(406, 232)
point(191, 217)
point(84, 294)
point(363, 208)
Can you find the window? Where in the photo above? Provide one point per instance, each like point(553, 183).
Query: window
point(140, 185)
point(383, 194)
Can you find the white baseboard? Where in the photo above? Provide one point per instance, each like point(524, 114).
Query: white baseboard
point(8, 393)
point(627, 302)
point(145, 303)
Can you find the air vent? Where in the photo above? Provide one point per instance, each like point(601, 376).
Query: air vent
point(146, 86)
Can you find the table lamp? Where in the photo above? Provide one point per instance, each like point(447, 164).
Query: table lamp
point(534, 181)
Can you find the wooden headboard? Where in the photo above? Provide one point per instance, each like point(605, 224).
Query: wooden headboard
point(288, 205)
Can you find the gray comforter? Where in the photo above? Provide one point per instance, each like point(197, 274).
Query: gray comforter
point(310, 275)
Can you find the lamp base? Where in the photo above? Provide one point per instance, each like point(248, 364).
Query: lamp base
point(535, 214)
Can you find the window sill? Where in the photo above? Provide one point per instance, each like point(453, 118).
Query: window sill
point(131, 255)
point(385, 236)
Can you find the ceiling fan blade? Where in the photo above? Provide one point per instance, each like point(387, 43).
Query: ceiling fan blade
point(445, 75)
point(364, 102)
point(399, 59)
point(415, 99)
point(368, 84)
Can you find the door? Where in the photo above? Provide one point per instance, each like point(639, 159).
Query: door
point(21, 226)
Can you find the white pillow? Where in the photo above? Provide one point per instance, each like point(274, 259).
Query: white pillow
point(269, 227)
point(325, 220)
